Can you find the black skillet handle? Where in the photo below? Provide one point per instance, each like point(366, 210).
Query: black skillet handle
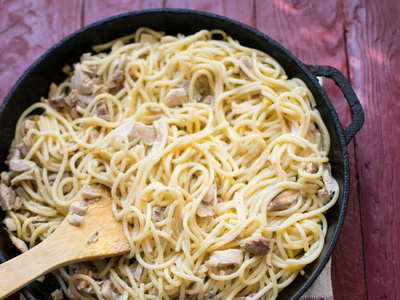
point(357, 112)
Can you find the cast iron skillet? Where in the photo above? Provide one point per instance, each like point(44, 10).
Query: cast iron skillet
point(35, 82)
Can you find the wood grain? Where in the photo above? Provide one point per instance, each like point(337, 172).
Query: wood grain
point(348, 274)
point(27, 29)
point(96, 10)
point(239, 10)
point(374, 56)
point(314, 33)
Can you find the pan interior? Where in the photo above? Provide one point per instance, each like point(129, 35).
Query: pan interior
point(36, 80)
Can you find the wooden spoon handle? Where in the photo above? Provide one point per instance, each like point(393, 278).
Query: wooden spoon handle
point(68, 244)
point(21, 270)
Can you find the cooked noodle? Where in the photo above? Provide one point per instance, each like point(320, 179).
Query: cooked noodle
point(246, 129)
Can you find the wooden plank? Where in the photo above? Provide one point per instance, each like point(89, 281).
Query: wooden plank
point(348, 276)
point(239, 10)
point(314, 33)
point(374, 56)
point(28, 29)
point(97, 10)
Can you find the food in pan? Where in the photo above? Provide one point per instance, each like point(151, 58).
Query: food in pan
point(216, 161)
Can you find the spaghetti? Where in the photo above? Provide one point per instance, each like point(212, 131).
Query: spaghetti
point(216, 162)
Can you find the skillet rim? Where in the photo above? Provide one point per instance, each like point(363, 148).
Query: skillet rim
point(302, 67)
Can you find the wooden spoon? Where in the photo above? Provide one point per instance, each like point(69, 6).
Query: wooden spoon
point(68, 244)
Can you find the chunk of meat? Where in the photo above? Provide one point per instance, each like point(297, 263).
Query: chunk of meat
point(75, 219)
point(133, 130)
point(99, 89)
point(73, 101)
point(10, 224)
point(246, 61)
point(25, 146)
point(91, 194)
point(20, 244)
point(107, 291)
point(206, 207)
point(116, 72)
point(29, 124)
point(324, 195)
point(147, 132)
point(94, 136)
point(84, 286)
point(67, 70)
point(168, 39)
point(85, 57)
point(202, 89)
point(185, 84)
point(57, 295)
point(84, 100)
point(58, 103)
point(327, 191)
point(79, 207)
point(102, 111)
point(157, 213)
point(327, 179)
point(81, 81)
point(72, 98)
point(127, 129)
point(86, 268)
point(7, 197)
point(225, 258)
point(312, 168)
point(5, 178)
point(209, 100)
point(175, 97)
point(20, 165)
point(257, 246)
point(17, 203)
point(23, 177)
point(138, 272)
point(283, 200)
point(52, 90)
point(74, 113)
point(12, 155)
point(89, 70)
point(146, 38)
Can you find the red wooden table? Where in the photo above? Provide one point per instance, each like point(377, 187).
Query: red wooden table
point(360, 38)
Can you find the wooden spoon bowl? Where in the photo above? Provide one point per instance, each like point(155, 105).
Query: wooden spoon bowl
point(68, 244)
